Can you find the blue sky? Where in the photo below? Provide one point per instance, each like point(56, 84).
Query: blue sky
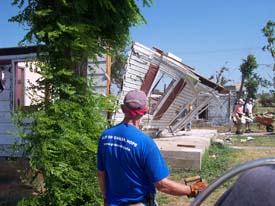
point(205, 34)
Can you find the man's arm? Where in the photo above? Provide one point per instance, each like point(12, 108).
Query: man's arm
point(102, 183)
point(173, 188)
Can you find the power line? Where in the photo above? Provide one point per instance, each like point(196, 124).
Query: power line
point(218, 51)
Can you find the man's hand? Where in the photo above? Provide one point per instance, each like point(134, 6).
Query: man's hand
point(197, 187)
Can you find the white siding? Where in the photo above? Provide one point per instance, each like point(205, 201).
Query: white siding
point(97, 72)
point(7, 129)
point(138, 64)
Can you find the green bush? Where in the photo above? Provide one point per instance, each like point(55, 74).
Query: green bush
point(61, 143)
point(266, 99)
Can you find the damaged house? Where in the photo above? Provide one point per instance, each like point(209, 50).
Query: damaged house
point(17, 73)
point(171, 87)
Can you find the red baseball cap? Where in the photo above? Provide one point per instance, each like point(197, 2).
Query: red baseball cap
point(135, 99)
point(135, 102)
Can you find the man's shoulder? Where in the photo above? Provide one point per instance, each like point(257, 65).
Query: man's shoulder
point(114, 127)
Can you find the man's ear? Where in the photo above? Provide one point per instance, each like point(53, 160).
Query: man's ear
point(122, 106)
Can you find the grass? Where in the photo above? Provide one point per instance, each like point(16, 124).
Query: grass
point(261, 110)
point(257, 141)
point(216, 161)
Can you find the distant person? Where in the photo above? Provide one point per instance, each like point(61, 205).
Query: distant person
point(238, 115)
point(189, 124)
point(249, 114)
point(255, 187)
point(190, 107)
point(130, 165)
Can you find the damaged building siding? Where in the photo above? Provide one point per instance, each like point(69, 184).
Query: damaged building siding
point(146, 68)
point(9, 67)
point(218, 110)
point(99, 72)
point(6, 106)
point(170, 85)
point(15, 71)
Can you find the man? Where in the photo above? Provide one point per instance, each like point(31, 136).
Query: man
point(254, 187)
point(249, 114)
point(237, 115)
point(189, 124)
point(130, 165)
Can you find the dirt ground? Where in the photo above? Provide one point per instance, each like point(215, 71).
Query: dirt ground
point(248, 153)
point(11, 188)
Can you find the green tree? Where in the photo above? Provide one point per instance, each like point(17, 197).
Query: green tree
point(219, 77)
point(269, 31)
point(251, 86)
point(119, 60)
point(266, 99)
point(246, 68)
point(253, 83)
point(67, 119)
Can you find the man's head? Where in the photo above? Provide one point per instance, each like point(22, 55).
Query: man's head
point(135, 103)
point(240, 101)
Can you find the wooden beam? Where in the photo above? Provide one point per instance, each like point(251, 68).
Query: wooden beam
point(108, 71)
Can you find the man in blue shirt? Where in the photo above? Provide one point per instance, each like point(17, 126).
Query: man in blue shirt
point(130, 165)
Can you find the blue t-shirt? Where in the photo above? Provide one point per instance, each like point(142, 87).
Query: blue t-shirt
point(132, 163)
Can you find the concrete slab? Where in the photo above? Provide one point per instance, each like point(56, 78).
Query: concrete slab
point(186, 148)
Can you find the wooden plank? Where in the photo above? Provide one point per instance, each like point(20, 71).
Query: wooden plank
point(7, 151)
point(5, 95)
point(137, 65)
point(142, 49)
point(9, 139)
point(142, 61)
point(132, 84)
point(7, 128)
point(8, 74)
point(133, 78)
point(5, 117)
point(136, 72)
point(7, 84)
point(129, 82)
point(137, 68)
point(176, 108)
point(5, 106)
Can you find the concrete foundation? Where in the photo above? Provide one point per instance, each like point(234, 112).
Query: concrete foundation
point(185, 149)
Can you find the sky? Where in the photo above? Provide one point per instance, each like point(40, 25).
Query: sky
point(205, 34)
point(209, 34)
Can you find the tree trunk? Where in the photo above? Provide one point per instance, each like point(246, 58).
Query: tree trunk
point(241, 88)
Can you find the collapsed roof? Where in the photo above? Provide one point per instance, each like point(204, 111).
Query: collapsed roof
point(170, 85)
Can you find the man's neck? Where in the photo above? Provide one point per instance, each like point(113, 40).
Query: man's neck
point(134, 122)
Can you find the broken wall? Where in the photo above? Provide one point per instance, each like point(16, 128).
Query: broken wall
point(219, 109)
point(145, 70)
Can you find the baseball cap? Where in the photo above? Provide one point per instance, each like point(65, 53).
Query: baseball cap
point(135, 100)
point(241, 101)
